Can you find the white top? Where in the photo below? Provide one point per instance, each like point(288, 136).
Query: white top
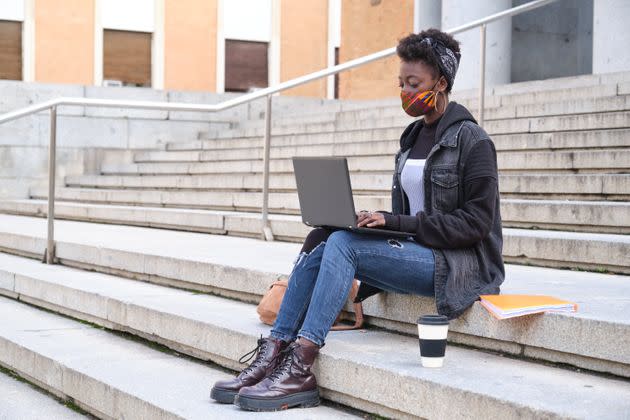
point(412, 184)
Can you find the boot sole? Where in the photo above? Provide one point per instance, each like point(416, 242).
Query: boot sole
point(223, 396)
point(301, 399)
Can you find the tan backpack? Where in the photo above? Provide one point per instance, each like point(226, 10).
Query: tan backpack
point(270, 305)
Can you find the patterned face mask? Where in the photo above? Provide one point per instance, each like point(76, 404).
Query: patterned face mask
point(418, 103)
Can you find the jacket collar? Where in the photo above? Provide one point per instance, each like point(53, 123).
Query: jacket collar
point(454, 114)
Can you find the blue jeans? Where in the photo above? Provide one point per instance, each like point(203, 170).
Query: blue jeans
point(321, 279)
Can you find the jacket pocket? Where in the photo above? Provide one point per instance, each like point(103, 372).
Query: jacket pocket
point(444, 186)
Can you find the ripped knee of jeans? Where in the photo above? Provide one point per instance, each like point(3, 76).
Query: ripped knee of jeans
point(305, 254)
point(394, 243)
point(299, 258)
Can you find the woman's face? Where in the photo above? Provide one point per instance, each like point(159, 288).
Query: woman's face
point(417, 76)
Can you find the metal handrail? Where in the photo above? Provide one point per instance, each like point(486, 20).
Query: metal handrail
point(266, 92)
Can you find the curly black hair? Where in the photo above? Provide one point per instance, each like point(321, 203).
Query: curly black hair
point(412, 49)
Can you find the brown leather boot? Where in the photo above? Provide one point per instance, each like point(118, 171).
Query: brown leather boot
point(291, 384)
point(266, 360)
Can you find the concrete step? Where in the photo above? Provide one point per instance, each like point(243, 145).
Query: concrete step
point(285, 227)
point(589, 186)
point(574, 122)
point(590, 338)
point(380, 363)
point(580, 216)
point(595, 141)
point(599, 186)
point(279, 202)
point(578, 83)
point(579, 105)
point(505, 105)
point(589, 251)
point(176, 318)
point(110, 376)
point(217, 200)
point(575, 250)
point(503, 142)
point(539, 91)
point(499, 98)
point(379, 156)
point(357, 115)
point(389, 140)
point(21, 400)
point(576, 216)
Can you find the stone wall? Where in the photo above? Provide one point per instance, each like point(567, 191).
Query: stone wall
point(87, 136)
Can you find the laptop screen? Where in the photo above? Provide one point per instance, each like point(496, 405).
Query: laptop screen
point(324, 191)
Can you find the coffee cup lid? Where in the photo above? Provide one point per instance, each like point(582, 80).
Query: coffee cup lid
point(433, 320)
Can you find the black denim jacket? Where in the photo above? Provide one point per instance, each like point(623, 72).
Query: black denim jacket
point(466, 240)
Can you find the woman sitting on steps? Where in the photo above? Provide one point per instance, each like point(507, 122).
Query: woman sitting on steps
point(445, 189)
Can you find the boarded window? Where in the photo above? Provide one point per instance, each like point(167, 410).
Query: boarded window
point(10, 50)
point(246, 65)
point(127, 57)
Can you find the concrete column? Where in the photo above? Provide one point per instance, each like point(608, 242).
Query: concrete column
point(157, 47)
point(275, 45)
point(334, 41)
point(498, 42)
point(28, 42)
point(611, 36)
point(427, 14)
point(220, 56)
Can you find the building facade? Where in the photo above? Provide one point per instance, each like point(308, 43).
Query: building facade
point(239, 45)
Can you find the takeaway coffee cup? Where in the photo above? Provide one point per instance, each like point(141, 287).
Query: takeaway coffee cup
point(432, 331)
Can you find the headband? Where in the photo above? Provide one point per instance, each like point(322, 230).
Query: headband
point(448, 61)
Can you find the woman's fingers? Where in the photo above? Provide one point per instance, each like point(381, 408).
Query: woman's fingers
point(362, 215)
point(376, 220)
point(370, 219)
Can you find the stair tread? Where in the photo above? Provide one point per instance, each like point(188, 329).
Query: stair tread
point(277, 258)
point(538, 233)
point(22, 401)
point(132, 369)
point(533, 387)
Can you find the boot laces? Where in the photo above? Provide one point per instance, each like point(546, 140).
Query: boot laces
point(254, 354)
point(286, 356)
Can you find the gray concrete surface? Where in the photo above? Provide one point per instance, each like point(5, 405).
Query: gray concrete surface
point(369, 180)
point(216, 264)
point(471, 384)
point(115, 377)
point(585, 216)
point(378, 156)
point(21, 401)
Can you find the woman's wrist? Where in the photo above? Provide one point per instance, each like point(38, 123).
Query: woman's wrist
point(392, 222)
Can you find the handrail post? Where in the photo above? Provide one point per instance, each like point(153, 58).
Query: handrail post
point(267, 234)
point(482, 76)
point(52, 157)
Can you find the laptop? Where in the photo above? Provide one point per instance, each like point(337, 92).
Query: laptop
point(325, 195)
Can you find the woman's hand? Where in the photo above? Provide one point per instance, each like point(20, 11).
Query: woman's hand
point(370, 219)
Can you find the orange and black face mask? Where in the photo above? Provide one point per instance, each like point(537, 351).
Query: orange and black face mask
point(418, 103)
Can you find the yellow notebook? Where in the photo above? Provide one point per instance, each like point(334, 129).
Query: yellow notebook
point(510, 306)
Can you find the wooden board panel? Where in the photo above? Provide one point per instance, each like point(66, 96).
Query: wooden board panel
point(10, 50)
point(127, 57)
point(246, 65)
